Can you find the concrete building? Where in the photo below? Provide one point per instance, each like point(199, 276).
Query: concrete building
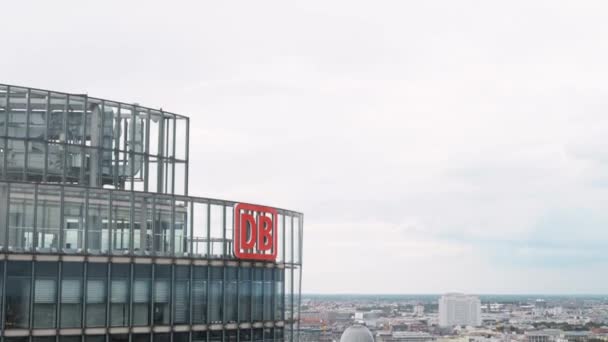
point(459, 309)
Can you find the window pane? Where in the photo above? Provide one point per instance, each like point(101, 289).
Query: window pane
point(98, 222)
point(231, 294)
point(199, 295)
point(162, 293)
point(18, 282)
point(215, 295)
point(245, 294)
point(162, 226)
point(121, 223)
point(21, 218)
point(279, 299)
point(142, 291)
point(245, 335)
point(181, 295)
point(97, 278)
point(48, 219)
point(142, 226)
point(268, 294)
point(257, 294)
point(119, 294)
point(71, 295)
point(74, 220)
point(45, 294)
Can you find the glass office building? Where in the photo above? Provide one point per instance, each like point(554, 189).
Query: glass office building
point(101, 242)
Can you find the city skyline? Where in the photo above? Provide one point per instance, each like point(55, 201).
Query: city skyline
point(434, 146)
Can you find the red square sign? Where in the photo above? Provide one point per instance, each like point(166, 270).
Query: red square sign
point(255, 232)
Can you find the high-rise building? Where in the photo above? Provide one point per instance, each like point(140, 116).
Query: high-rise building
point(100, 240)
point(459, 309)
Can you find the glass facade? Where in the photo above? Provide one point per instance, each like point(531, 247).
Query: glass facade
point(99, 239)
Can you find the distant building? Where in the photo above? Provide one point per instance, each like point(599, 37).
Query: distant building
point(459, 309)
point(405, 336)
point(419, 310)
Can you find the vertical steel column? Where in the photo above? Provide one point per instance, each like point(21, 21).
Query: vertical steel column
point(238, 301)
point(131, 146)
point(125, 146)
point(5, 154)
point(224, 244)
point(26, 140)
point(35, 219)
point(85, 294)
point(166, 147)
point(208, 266)
point(153, 252)
point(300, 269)
point(161, 151)
point(3, 313)
point(172, 228)
point(116, 146)
point(191, 243)
point(173, 156)
point(147, 152)
point(86, 220)
point(292, 278)
point(131, 223)
point(62, 219)
point(65, 136)
point(190, 291)
point(7, 203)
point(284, 293)
point(172, 294)
point(130, 293)
point(187, 166)
point(32, 294)
point(83, 133)
point(46, 136)
point(59, 296)
point(208, 229)
point(109, 294)
point(152, 294)
point(110, 223)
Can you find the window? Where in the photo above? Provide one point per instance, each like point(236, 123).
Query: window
point(73, 221)
point(119, 294)
point(230, 299)
point(97, 278)
point(245, 294)
point(48, 217)
point(257, 295)
point(71, 295)
point(199, 294)
point(162, 293)
point(142, 293)
point(279, 299)
point(245, 335)
point(45, 294)
point(268, 295)
point(98, 222)
point(18, 282)
point(181, 294)
point(258, 335)
point(215, 295)
point(21, 218)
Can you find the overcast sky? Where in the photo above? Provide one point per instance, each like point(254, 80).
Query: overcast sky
point(432, 145)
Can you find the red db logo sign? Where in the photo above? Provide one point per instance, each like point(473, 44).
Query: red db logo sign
point(255, 232)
